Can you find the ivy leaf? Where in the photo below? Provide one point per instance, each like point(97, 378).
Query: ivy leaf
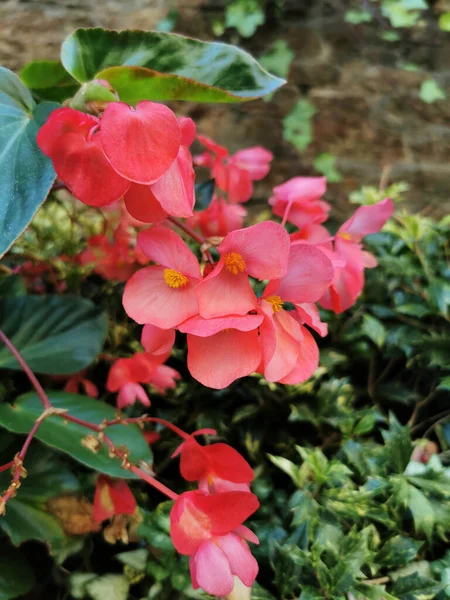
point(325, 163)
point(245, 15)
point(26, 175)
point(156, 65)
point(297, 127)
point(16, 575)
point(430, 91)
point(374, 329)
point(54, 334)
point(66, 436)
point(113, 587)
point(398, 551)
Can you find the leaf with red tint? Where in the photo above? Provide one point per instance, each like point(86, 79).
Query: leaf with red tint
point(140, 143)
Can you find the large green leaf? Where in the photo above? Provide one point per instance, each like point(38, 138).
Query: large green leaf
point(26, 175)
point(54, 334)
point(48, 80)
point(164, 66)
point(27, 517)
point(16, 575)
point(66, 436)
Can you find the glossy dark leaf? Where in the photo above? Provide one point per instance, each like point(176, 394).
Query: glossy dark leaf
point(16, 575)
point(48, 80)
point(54, 334)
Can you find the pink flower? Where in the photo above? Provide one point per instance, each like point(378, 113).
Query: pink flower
point(173, 193)
point(156, 341)
point(299, 201)
point(235, 174)
point(163, 295)
point(77, 382)
point(217, 467)
point(348, 281)
point(289, 352)
point(164, 378)
point(209, 529)
point(260, 251)
point(223, 349)
point(126, 376)
point(219, 218)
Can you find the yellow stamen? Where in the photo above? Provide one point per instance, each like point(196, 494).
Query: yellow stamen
point(234, 263)
point(175, 279)
point(276, 302)
point(345, 236)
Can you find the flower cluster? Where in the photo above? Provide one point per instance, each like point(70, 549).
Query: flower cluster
point(207, 524)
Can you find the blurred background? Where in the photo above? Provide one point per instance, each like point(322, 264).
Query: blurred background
point(368, 81)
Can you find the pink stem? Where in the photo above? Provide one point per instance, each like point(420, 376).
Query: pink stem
point(194, 235)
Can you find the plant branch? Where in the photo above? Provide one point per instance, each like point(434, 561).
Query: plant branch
point(194, 235)
point(31, 376)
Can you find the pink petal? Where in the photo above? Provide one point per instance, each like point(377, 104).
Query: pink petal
point(164, 378)
point(212, 145)
point(212, 570)
point(370, 262)
point(264, 247)
point(309, 274)
point(302, 214)
point(175, 189)
point(61, 121)
point(190, 526)
point(246, 534)
point(242, 563)
point(367, 220)
point(307, 361)
point(238, 184)
point(140, 143)
point(142, 204)
point(157, 341)
point(309, 314)
point(188, 130)
point(220, 359)
point(256, 160)
point(148, 299)
point(216, 485)
point(301, 189)
point(219, 218)
point(207, 327)
point(312, 234)
point(83, 167)
point(129, 393)
point(222, 293)
point(165, 247)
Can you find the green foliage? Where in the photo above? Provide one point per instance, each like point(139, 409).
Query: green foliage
point(245, 15)
point(430, 91)
point(16, 575)
point(444, 21)
point(54, 334)
point(297, 125)
point(278, 58)
point(67, 436)
point(403, 13)
point(48, 80)
point(161, 66)
point(26, 175)
point(325, 163)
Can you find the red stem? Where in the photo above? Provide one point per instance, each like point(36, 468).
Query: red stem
point(145, 419)
point(7, 466)
point(193, 234)
point(31, 376)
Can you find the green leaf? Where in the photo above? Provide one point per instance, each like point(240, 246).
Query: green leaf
point(16, 575)
point(403, 13)
point(444, 21)
point(48, 80)
point(287, 466)
point(430, 91)
point(278, 59)
point(398, 551)
point(54, 334)
point(245, 15)
point(112, 587)
point(26, 175)
point(12, 285)
point(27, 516)
point(297, 127)
point(134, 558)
point(204, 193)
point(67, 436)
point(325, 163)
point(259, 593)
point(355, 17)
point(163, 66)
point(374, 329)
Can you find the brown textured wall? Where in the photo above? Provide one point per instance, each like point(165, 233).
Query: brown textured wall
point(369, 111)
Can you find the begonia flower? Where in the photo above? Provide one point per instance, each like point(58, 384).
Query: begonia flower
point(223, 349)
point(298, 201)
point(157, 341)
point(126, 376)
point(77, 382)
point(112, 497)
point(261, 251)
point(208, 529)
point(163, 295)
point(348, 281)
point(217, 467)
point(219, 218)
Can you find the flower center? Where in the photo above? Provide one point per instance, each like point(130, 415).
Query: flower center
point(276, 302)
point(345, 236)
point(175, 279)
point(234, 263)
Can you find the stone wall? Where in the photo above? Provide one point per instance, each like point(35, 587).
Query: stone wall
point(369, 113)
